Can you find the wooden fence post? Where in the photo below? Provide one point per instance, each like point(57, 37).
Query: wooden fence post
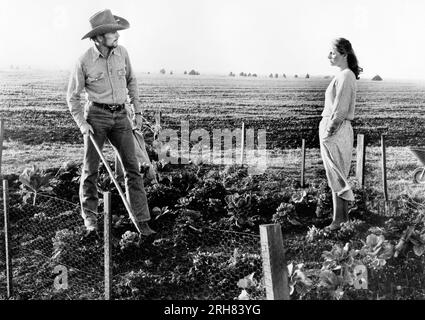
point(384, 167)
point(302, 163)
point(274, 262)
point(242, 142)
point(157, 123)
point(7, 239)
point(107, 245)
point(361, 158)
point(1, 145)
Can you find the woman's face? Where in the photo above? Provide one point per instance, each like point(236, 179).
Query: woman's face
point(336, 58)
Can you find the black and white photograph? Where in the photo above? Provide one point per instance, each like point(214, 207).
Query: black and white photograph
point(229, 151)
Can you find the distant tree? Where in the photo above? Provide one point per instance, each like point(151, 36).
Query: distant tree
point(307, 76)
point(162, 71)
point(377, 78)
point(249, 74)
point(296, 76)
point(231, 74)
point(276, 75)
point(254, 75)
point(149, 73)
point(193, 73)
point(185, 72)
point(284, 75)
point(271, 75)
point(171, 72)
point(327, 77)
point(242, 74)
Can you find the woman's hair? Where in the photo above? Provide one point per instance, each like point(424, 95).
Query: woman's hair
point(344, 47)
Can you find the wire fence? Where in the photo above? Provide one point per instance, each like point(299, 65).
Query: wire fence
point(51, 258)
point(403, 276)
point(190, 264)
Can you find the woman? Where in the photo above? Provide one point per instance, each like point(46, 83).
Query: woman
point(335, 130)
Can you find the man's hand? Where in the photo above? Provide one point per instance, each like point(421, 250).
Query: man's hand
point(138, 121)
point(86, 128)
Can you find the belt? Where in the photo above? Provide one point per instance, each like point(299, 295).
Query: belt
point(343, 120)
point(109, 107)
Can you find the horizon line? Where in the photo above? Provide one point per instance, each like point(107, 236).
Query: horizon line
point(222, 74)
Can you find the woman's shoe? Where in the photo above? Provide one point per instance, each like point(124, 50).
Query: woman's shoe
point(333, 227)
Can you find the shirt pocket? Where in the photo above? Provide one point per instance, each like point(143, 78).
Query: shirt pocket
point(96, 78)
point(121, 74)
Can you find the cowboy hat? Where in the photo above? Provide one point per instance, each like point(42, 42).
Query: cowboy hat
point(104, 21)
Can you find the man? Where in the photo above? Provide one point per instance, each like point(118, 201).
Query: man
point(105, 72)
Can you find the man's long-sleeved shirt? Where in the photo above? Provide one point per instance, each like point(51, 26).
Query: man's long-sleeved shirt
point(105, 80)
point(340, 97)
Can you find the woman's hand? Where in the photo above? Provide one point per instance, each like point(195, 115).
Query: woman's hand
point(329, 132)
point(333, 127)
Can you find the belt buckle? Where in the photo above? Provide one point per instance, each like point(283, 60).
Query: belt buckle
point(114, 107)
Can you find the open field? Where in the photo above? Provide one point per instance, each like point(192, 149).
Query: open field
point(34, 105)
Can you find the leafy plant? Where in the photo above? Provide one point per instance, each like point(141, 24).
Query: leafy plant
point(339, 258)
point(65, 183)
point(64, 246)
point(248, 284)
point(324, 201)
point(286, 215)
point(333, 283)
point(129, 240)
point(305, 204)
point(160, 212)
point(413, 237)
point(239, 208)
point(376, 251)
point(298, 281)
point(34, 179)
point(160, 195)
point(414, 234)
point(349, 229)
point(187, 228)
point(314, 233)
point(418, 241)
point(104, 181)
point(342, 260)
point(201, 194)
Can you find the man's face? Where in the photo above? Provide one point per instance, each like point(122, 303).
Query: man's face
point(110, 39)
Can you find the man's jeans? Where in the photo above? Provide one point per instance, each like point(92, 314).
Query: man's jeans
point(117, 128)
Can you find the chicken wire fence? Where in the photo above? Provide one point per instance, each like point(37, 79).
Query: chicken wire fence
point(51, 258)
point(192, 263)
point(412, 279)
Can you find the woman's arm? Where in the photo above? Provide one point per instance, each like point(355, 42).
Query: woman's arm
point(344, 92)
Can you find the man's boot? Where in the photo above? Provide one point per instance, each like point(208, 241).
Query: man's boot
point(145, 230)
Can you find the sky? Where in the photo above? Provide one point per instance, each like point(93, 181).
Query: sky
point(220, 36)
